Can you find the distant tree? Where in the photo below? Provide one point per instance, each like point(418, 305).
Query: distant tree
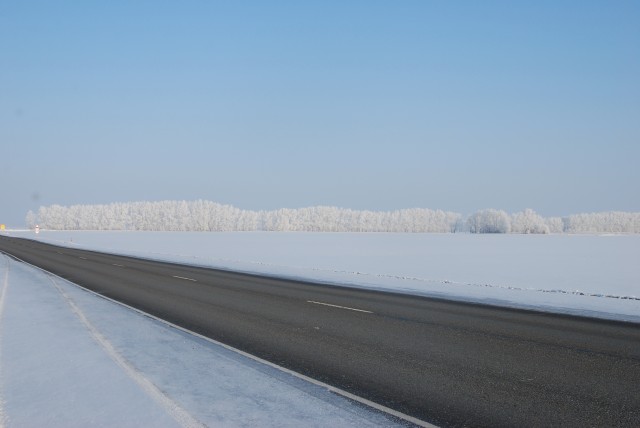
point(528, 221)
point(213, 217)
point(605, 222)
point(31, 220)
point(555, 224)
point(489, 221)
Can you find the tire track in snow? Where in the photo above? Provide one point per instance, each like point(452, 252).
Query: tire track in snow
point(170, 406)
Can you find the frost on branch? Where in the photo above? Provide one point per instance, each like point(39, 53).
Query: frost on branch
point(489, 221)
point(206, 216)
point(528, 221)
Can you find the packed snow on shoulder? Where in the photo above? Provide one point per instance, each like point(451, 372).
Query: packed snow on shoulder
point(592, 275)
point(69, 358)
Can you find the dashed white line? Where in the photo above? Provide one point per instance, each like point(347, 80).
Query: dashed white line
point(338, 306)
point(83, 258)
point(182, 277)
point(116, 264)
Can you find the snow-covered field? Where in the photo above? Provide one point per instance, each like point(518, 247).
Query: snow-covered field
point(594, 275)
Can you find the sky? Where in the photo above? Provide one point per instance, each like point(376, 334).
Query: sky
point(370, 104)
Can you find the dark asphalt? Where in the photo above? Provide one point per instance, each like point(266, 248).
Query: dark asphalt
point(448, 363)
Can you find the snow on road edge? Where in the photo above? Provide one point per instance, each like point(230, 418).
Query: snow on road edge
point(223, 383)
point(171, 407)
point(5, 286)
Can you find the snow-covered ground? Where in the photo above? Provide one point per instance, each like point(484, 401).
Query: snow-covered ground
point(69, 358)
point(593, 275)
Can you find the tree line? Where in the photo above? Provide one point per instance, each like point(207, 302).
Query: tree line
point(207, 216)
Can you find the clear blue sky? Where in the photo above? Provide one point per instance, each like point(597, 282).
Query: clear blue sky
point(360, 104)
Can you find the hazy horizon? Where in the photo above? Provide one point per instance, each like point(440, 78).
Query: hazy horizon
point(364, 105)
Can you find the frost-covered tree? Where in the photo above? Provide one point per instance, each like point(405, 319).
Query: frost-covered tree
point(489, 221)
point(213, 217)
point(209, 216)
point(605, 222)
point(31, 220)
point(528, 221)
point(555, 224)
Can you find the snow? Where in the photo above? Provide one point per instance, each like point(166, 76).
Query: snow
point(70, 358)
point(593, 275)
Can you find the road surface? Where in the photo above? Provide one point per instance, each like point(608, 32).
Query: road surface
point(444, 362)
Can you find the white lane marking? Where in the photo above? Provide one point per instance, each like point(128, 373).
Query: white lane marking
point(174, 409)
point(337, 306)
point(182, 277)
point(83, 258)
point(116, 264)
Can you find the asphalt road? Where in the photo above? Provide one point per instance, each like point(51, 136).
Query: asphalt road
point(448, 363)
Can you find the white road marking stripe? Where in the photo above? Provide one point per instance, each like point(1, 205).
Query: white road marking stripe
point(341, 307)
point(182, 277)
point(116, 264)
point(83, 258)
